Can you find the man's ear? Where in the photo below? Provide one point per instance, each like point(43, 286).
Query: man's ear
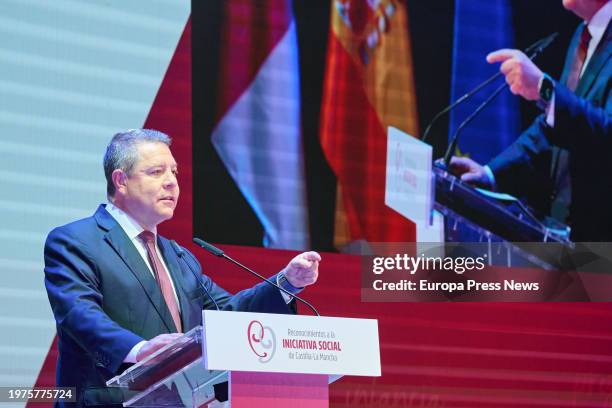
point(119, 180)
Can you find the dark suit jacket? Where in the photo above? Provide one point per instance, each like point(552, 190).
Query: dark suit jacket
point(582, 127)
point(105, 300)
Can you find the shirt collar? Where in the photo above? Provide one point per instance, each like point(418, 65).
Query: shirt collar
point(599, 22)
point(127, 223)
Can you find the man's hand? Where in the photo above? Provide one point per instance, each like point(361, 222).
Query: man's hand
point(521, 73)
point(470, 172)
point(155, 344)
point(303, 270)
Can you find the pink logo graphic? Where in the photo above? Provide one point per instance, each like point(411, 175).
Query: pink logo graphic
point(262, 341)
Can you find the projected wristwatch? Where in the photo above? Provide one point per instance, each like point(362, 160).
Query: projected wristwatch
point(546, 90)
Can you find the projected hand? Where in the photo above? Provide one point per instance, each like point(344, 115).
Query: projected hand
point(470, 172)
point(521, 73)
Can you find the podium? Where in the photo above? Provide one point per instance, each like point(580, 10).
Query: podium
point(513, 221)
point(418, 191)
point(415, 188)
point(254, 360)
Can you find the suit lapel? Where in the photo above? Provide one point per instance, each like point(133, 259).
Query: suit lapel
point(123, 246)
point(175, 270)
point(571, 51)
point(596, 63)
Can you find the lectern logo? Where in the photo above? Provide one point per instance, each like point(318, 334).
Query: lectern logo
point(262, 341)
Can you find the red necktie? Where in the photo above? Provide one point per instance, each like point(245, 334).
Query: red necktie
point(561, 203)
point(162, 277)
point(579, 58)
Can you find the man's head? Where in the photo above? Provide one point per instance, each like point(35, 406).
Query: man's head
point(141, 175)
point(585, 9)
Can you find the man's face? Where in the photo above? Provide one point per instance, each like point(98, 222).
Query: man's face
point(150, 193)
point(583, 8)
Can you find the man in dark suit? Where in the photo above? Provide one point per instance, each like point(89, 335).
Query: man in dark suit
point(560, 163)
point(119, 291)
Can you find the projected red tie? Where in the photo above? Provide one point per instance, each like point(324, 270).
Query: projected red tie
point(561, 203)
point(579, 58)
point(162, 277)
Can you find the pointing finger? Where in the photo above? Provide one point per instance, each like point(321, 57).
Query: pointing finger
point(500, 55)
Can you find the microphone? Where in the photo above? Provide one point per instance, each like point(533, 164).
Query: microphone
point(533, 50)
point(539, 46)
point(536, 48)
point(181, 253)
point(210, 248)
point(218, 252)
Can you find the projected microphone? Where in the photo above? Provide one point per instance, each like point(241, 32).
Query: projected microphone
point(533, 51)
point(218, 252)
point(537, 47)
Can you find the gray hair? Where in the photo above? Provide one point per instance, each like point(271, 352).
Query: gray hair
point(122, 152)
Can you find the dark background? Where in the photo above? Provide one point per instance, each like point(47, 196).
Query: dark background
point(221, 214)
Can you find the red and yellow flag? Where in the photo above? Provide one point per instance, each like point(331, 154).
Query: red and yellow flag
point(369, 86)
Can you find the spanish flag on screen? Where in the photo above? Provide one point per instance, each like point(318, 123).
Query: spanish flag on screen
point(369, 86)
